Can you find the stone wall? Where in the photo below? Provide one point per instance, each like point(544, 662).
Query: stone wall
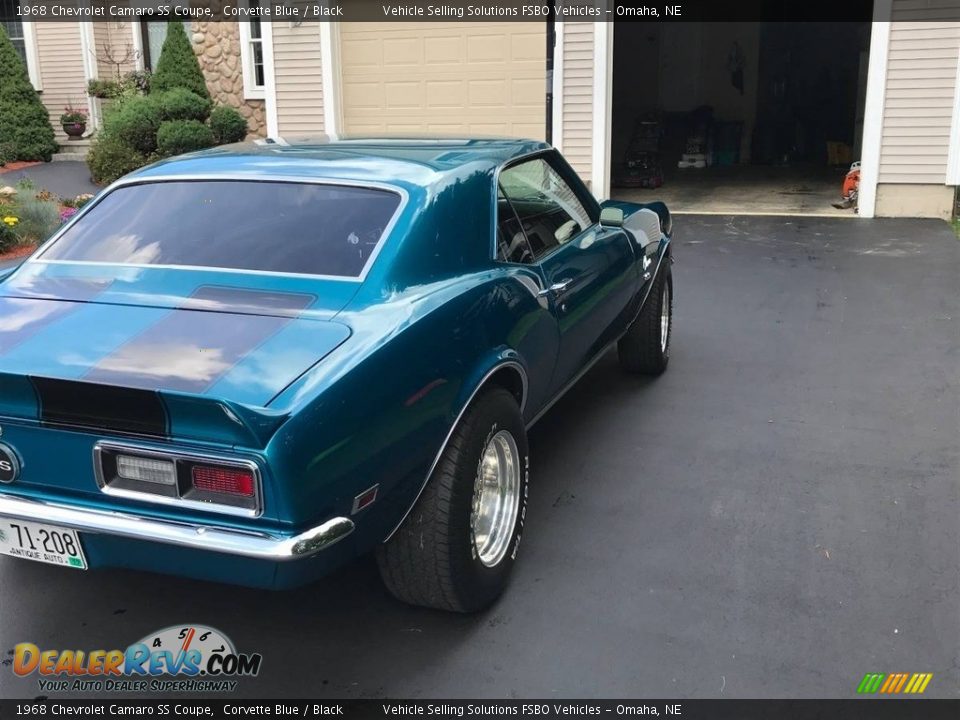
point(217, 46)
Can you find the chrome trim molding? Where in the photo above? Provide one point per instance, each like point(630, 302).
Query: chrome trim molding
point(254, 545)
point(436, 460)
point(37, 256)
point(174, 455)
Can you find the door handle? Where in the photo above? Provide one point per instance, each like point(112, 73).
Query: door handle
point(556, 289)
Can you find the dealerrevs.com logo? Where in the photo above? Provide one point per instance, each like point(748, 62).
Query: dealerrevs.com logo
point(180, 658)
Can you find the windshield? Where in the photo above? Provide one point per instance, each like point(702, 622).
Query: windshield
point(283, 227)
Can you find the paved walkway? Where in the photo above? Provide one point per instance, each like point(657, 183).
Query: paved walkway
point(66, 179)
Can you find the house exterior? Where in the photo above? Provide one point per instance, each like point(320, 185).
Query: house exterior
point(309, 78)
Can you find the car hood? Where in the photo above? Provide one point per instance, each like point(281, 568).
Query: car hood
point(242, 344)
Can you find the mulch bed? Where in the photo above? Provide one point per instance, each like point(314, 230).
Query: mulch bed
point(17, 252)
point(18, 165)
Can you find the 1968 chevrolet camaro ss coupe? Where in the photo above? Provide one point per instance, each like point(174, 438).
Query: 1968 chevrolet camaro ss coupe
point(254, 363)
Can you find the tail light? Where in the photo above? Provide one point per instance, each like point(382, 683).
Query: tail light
point(228, 481)
point(206, 483)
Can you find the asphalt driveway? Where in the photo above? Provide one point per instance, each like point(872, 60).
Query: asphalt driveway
point(776, 516)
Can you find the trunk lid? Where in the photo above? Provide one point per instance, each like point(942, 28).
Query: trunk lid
point(241, 339)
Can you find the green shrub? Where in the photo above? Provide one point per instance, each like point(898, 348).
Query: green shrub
point(137, 80)
point(178, 66)
point(38, 219)
point(9, 219)
point(181, 136)
point(8, 239)
point(182, 104)
point(110, 158)
point(227, 124)
point(24, 123)
point(135, 122)
point(103, 89)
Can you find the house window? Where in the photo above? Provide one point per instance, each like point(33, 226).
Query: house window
point(152, 36)
point(251, 55)
point(20, 37)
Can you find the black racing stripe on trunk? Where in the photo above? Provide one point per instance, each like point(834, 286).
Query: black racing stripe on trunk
point(189, 351)
point(88, 405)
point(247, 302)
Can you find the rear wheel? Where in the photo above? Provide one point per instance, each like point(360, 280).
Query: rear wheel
point(457, 547)
point(645, 348)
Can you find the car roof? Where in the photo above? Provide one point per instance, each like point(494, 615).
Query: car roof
point(415, 160)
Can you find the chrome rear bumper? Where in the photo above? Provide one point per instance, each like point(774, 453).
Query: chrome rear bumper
point(250, 544)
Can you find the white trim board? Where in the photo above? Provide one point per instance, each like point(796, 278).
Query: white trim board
point(602, 109)
point(953, 154)
point(88, 44)
point(873, 108)
point(138, 44)
point(330, 78)
point(269, 81)
point(33, 56)
point(250, 89)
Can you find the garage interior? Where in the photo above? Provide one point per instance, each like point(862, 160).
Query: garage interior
point(767, 117)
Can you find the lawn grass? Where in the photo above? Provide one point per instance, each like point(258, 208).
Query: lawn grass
point(955, 224)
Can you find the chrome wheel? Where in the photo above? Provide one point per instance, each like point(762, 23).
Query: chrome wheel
point(496, 498)
point(665, 318)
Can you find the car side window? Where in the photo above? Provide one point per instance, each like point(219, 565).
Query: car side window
point(549, 211)
point(512, 243)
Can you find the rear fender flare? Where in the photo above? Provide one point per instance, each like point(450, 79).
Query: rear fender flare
point(484, 375)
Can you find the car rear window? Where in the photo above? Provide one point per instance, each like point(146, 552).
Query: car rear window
point(284, 227)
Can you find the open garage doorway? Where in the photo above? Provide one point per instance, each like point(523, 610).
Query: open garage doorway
point(737, 117)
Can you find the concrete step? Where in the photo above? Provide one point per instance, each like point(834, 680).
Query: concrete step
point(73, 150)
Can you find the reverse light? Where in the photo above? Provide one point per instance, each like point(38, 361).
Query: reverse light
point(225, 480)
point(140, 469)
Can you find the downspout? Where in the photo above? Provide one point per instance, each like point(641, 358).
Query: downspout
point(551, 43)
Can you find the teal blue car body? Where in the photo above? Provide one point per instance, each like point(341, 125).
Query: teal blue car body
point(344, 385)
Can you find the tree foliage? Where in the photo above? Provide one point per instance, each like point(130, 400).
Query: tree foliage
point(178, 67)
point(25, 128)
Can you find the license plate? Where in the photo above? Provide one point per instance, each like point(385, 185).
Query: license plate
point(42, 543)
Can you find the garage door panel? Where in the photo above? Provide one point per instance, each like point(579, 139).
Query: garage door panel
point(526, 93)
point(487, 49)
point(442, 50)
point(450, 94)
point(478, 78)
point(361, 95)
point(403, 95)
point(403, 51)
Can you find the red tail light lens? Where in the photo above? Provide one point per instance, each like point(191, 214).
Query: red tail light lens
point(229, 481)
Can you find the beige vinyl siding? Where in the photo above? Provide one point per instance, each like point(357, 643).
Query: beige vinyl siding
point(299, 78)
point(473, 78)
point(61, 69)
point(920, 86)
point(113, 40)
point(577, 122)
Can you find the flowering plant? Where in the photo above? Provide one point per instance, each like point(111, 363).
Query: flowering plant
point(10, 220)
point(67, 213)
point(73, 115)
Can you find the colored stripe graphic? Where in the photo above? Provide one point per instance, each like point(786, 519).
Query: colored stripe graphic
point(870, 683)
point(189, 351)
point(894, 683)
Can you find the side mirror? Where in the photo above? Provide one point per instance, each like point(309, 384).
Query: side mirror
point(611, 217)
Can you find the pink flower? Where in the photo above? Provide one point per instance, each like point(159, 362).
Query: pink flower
point(67, 213)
